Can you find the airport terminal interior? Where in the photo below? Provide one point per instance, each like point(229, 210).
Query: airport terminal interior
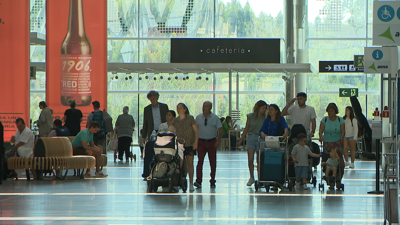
point(292, 46)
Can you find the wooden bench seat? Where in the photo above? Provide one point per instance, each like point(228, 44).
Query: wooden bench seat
point(54, 153)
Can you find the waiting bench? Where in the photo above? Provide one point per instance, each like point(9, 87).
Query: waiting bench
point(52, 153)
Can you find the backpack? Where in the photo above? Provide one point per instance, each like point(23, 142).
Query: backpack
point(98, 117)
point(360, 129)
point(326, 118)
point(62, 131)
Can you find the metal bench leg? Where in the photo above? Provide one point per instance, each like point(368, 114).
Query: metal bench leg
point(65, 175)
point(83, 174)
point(28, 175)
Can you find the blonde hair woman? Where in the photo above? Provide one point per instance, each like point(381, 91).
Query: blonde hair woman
point(253, 126)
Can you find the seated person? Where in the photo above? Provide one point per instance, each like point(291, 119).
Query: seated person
point(226, 126)
point(332, 164)
point(24, 141)
point(83, 145)
point(164, 127)
point(59, 129)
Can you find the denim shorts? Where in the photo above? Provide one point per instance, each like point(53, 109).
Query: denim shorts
point(349, 138)
point(301, 171)
point(252, 142)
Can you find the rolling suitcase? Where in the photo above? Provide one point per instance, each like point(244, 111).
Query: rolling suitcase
point(272, 166)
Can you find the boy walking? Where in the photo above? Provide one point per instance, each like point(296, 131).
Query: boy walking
point(300, 155)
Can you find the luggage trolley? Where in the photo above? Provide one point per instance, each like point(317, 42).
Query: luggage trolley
point(273, 163)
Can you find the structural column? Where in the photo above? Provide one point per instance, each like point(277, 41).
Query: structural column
point(300, 44)
point(289, 42)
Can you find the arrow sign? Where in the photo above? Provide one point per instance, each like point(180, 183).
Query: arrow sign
point(348, 92)
point(338, 67)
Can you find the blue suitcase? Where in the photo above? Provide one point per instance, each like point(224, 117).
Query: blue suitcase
point(272, 166)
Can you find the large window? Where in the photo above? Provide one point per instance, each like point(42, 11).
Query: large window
point(139, 31)
point(338, 30)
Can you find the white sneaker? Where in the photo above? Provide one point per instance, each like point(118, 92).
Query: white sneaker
point(250, 182)
point(346, 164)
point(305, 187)
point(101, 174)
point(298, 186)
point(191, 187)
point(351, 165)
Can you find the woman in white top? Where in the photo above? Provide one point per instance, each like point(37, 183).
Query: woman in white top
point(351, 134)
point(164, 127)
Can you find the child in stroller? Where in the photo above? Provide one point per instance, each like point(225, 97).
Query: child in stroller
point(333, 169)
point(168, 166)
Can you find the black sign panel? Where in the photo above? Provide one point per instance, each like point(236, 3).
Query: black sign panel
point(338, 67)
point(225, 50)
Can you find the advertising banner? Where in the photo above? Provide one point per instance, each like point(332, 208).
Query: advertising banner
point(76, 55)
point(225, 50)
point(14, 64)
point(386, 23)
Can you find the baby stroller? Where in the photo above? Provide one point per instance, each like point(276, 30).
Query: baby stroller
point(292, 141)
point(166, 167)
point(328, 177)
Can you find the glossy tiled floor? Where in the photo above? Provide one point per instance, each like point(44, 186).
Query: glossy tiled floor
point(121, 198)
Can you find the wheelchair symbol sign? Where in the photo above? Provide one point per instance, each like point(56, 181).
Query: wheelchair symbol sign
point(386, 13)
point(377, 54)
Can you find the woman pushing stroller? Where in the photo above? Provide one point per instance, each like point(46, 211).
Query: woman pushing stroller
point(331, 134)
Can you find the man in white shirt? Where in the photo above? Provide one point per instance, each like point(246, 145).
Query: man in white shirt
point(24, 141)
point(301, 113)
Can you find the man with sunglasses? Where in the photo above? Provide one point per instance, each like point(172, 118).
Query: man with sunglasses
point(210, 133)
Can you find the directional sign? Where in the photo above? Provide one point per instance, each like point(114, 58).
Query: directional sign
point(339, 67)
point(348, 92)
point(358, 61)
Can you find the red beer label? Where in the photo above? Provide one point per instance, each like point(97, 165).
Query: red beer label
point(76, 73)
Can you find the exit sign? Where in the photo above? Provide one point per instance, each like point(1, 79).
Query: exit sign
point(358, 61)
point(348, 92)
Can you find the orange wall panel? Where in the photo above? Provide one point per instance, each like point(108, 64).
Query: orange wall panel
point(14, 64)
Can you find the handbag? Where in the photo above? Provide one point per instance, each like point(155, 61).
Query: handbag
point(113, 144)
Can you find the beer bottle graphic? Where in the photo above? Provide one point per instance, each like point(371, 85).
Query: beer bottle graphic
point(76, 59)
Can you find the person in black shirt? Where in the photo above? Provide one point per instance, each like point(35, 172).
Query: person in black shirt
point(73, 118)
